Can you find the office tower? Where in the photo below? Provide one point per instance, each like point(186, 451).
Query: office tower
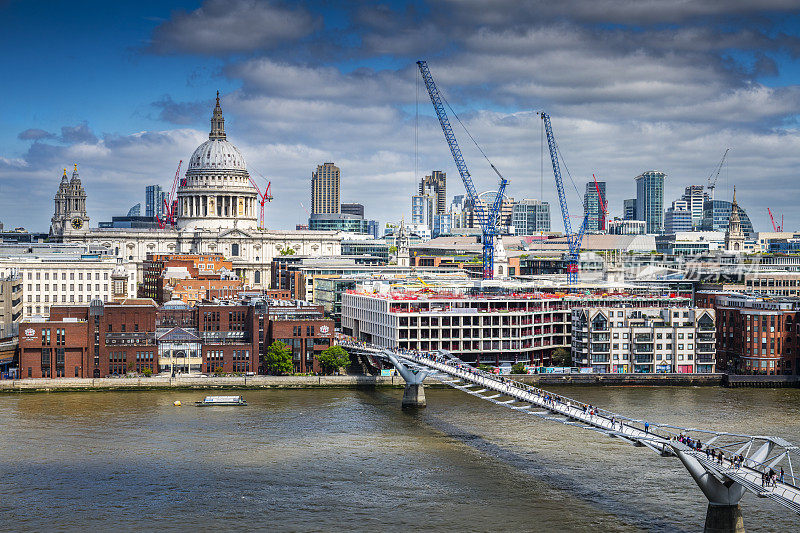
point(352, 209)
point(678, 217)
point(650, 199)
point(154, 198)
point(717, 214)
point(695, 198)
point(325, 188)
point(135, 211)
point(629, 209)
point(422, 210)
point(531, 216)
point(593, 207)
point(435, 185)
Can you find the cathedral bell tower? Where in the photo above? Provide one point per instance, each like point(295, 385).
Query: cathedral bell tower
point(70, 216)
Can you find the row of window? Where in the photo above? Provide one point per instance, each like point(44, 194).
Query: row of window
point(46, 276)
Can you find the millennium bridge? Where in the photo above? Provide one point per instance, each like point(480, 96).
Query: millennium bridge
point(724, 465)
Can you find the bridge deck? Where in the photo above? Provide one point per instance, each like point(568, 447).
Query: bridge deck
point(661, 438)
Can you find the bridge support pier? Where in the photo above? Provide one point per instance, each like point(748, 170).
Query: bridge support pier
point(414, 394)
point(724, 519)
point(723, 494)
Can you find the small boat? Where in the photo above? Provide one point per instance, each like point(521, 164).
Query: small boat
point(221, 400)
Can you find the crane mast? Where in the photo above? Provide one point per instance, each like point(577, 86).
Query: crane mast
point(489, 222)
point(574, 240)
point(712, 183)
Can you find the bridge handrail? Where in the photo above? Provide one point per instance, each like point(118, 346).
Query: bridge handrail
point(501, 384)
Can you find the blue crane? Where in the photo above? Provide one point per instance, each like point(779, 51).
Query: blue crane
point(489, 222)
point(574, 240)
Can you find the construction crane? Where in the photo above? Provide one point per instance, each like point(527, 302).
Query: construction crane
point(489, 222)
point(171, 203)
point(574, 240)
point(265, 197)
point(712, 178)
point(603, 205)
point(776, 227)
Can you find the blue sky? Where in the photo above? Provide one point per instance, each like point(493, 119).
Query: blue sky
point(124, 90)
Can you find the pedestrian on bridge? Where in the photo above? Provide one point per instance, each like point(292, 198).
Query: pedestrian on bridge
point(781, 478)
point(647, 427)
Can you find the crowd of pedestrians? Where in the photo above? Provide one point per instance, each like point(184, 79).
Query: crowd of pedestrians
point(768, 477)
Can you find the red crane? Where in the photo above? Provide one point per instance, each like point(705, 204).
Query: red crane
point(603, 206)
point(171, 203)
point(776, 227)
point(265, 197)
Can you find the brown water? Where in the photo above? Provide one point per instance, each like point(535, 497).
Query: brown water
point(321, 460)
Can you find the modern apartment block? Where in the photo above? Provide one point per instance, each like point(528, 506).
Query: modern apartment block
point(650, 199)
point(645, 340)
point(325, 189)
point(678, 217)
point(154, 199)
point(530, 216)
point(695, 198)
point(435, 185)
point(477, 328)
point(594, 206)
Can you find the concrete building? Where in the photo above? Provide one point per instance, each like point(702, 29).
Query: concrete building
point(478, 328)
point(678, 217)
point(61, 278)
point(352, 209)
point(325, 189)
point(154, 199)
point(435, 186)
point(11, 302)
point(627, 227)
point(646, 340)
point(594, 207)
point(530, 216)
point(650, 199)
point(694, 197)
point(629, 209)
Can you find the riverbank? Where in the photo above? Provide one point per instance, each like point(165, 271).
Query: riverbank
point(360, 381)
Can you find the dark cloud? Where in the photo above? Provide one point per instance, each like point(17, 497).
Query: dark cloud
point(181, 113)
point(221, 27)
point(35, 134)
point(77, 134)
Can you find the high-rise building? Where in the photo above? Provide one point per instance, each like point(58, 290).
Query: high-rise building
point(629, 209)
point(135, 211)
point(422, 210)
point(486, 200)
point(352, 209)
point(717, 214)
point(531, 216)
point(650, 199)
point(325, 189)
point(678, 218)
point(154, 199)
point(435, 185)
point(593, 207)
point(695, 197)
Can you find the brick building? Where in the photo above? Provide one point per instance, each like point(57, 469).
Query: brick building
point(161, 273)
point(135, 335)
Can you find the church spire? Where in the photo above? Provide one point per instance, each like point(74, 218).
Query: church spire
point(217, 123)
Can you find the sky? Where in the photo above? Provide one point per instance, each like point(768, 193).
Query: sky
point(125, 90)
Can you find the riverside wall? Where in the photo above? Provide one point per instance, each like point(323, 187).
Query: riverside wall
point(344, 381)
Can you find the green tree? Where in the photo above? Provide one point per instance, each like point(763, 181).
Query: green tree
point(278, 359)
point(333, 359)
point(486, 368)
point(287, 251)
point(518, 368)
point(561, 357)
point(146, 372)
point(393, 249)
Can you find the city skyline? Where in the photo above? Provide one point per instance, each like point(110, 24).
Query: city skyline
point(719, 76)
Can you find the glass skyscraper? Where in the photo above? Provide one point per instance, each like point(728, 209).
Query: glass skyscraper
point(650, 200)
point(593, 208)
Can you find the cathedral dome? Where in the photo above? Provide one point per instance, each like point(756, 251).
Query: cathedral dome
point(217, 154)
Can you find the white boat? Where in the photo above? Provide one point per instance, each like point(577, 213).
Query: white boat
point(222, 400)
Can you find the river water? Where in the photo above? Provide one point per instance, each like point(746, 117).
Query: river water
point(326, 459)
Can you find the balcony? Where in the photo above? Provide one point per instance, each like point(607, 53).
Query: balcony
point(643, 359)
point(643, 337)
point(642, 348)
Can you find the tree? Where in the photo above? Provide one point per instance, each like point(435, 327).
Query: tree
point(278, 359)
point(561, 357)
point(518, 368)
point(393, 249)
point(333, 359)
point(287, 251)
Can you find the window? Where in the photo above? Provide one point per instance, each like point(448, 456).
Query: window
point(234, 249)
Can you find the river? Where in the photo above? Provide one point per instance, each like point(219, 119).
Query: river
point(329, 459)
